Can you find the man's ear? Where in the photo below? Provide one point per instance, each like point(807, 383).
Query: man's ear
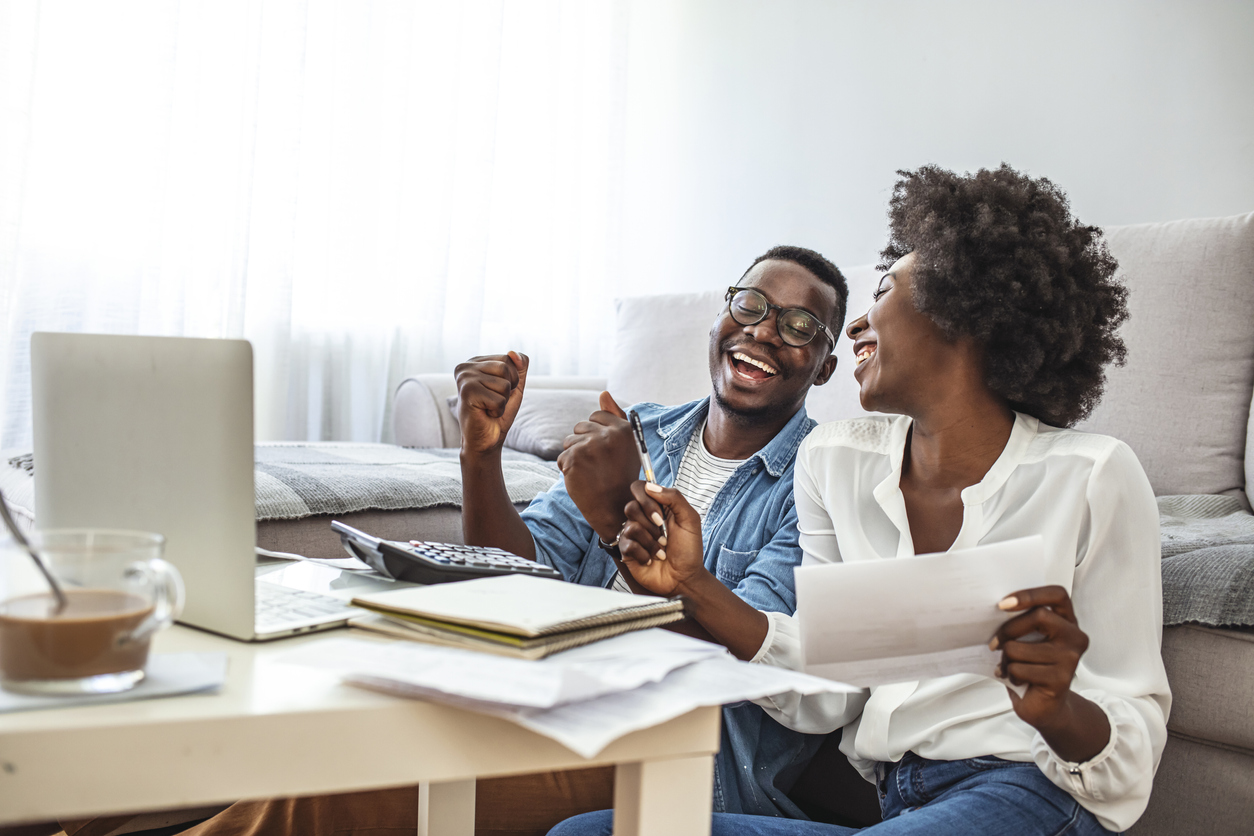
point(826, 370)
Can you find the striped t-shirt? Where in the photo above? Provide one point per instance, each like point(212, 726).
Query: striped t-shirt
point(701, 476)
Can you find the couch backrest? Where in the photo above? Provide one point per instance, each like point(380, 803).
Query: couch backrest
point(420, 412)
point(1183, 401)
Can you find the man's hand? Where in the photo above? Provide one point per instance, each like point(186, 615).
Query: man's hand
point(1075, 728)
point(598, 464)
point(489, 393)
point(664, 562)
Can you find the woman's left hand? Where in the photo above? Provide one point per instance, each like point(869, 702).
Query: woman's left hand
point(1074, 727)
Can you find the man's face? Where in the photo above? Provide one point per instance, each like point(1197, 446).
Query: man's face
point(756, 375)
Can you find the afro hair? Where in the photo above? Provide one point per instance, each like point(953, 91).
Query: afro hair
point(999, 258)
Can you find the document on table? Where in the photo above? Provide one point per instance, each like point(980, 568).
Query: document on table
point(589, 726)
point(618, 664)
point(585, 698)
point(903, 619)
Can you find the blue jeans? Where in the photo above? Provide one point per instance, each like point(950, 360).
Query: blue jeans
point(920, 796)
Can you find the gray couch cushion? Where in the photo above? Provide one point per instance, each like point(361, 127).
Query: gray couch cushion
point(545, 418)
point(1182, 402)
point(1212, 677)
point(1199, 790)
point(313, 536)
point(1249, 458)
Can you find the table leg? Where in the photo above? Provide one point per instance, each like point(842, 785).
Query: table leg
point(446, 809)
point(664, 798)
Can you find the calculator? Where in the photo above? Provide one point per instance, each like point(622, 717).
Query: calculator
point(422, 562)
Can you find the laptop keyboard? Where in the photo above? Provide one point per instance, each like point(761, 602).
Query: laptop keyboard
point(282, 606)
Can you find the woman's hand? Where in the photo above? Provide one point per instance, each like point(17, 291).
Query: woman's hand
point(1075, 728)
point(664, 563)
point(673, 563)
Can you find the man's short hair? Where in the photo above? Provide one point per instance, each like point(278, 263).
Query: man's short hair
point(823, 270)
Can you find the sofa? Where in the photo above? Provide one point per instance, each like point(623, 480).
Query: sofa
point(1182, 402)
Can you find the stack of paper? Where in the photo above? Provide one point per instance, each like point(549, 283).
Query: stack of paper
point(513, 615)
point(584, 698)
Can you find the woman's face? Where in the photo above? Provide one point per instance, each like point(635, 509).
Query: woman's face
point(902, 358)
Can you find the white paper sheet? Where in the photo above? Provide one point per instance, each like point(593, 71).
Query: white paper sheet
point(621, 663)
point(347, 563)
point(875, 622)
point(584, 698)
point(589, 726)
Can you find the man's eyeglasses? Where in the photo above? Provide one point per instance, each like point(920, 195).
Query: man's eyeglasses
point(796, 326)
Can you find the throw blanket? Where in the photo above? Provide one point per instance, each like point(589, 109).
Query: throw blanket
point(1208, 561)
point(301, 479)
point(294, 480)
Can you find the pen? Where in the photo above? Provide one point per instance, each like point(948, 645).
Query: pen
point(647, 463)
point(638, 431)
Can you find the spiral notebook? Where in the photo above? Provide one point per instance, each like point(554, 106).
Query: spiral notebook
point(513, 615)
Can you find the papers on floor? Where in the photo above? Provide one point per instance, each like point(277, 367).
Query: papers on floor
point(584, 698)
point(875, 622)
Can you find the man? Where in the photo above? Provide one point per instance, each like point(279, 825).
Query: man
point(731, 454)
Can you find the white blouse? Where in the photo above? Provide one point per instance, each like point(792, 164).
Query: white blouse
point(1089, 498)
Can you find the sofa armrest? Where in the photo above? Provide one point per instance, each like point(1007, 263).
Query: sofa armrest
point(420, 413)
point(420, 416)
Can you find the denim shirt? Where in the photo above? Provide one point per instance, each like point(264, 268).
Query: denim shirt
point(750, 543)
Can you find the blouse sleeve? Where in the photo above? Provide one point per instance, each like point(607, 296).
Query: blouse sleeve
point(1117, 595)
point(817, 713)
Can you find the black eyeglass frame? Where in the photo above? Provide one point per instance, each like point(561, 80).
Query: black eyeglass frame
point(771, 306)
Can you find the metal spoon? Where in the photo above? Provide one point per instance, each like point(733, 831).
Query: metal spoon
point(17, 535)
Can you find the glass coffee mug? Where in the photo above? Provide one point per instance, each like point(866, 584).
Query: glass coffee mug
point(119, 592)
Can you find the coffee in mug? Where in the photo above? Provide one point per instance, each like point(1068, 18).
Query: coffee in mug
point(118, 594)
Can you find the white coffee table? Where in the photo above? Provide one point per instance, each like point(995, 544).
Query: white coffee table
point(280, 730)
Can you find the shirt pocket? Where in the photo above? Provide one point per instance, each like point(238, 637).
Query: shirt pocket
point(732, 565)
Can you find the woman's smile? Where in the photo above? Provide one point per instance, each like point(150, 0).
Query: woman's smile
point(863, 351)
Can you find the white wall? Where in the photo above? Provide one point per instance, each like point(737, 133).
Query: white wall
point(755, 123)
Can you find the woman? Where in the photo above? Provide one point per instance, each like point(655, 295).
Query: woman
point(987, 335)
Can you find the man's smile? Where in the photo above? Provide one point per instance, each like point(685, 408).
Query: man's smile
point(751, 368)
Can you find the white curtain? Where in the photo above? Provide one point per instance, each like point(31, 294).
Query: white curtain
point(364, 190)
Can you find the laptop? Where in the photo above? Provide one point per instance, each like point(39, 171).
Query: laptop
point(156, 434)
